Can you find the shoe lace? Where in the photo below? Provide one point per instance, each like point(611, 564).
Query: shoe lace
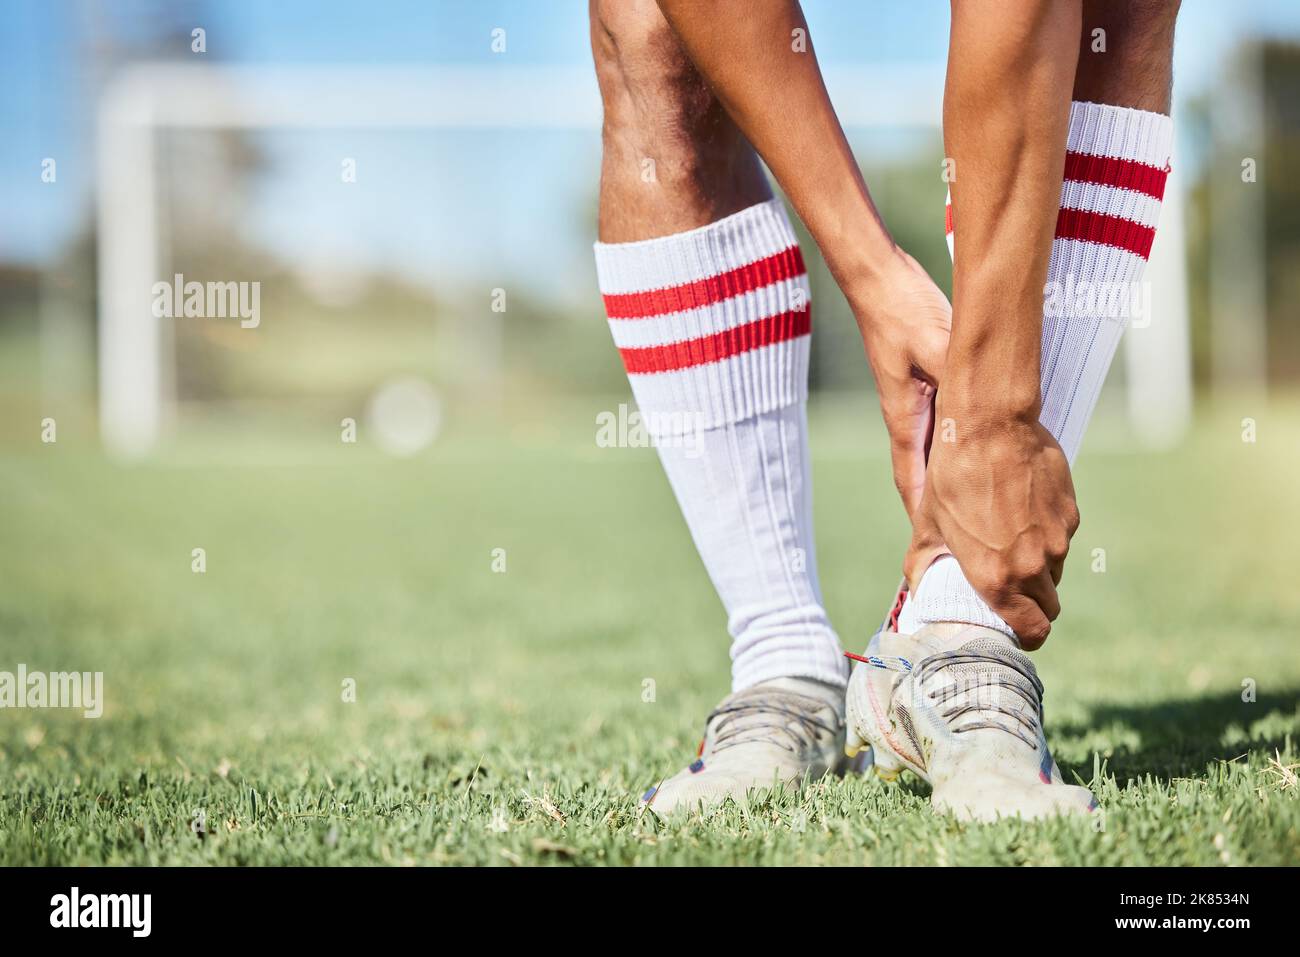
point(785, 718)
point(1010, 671)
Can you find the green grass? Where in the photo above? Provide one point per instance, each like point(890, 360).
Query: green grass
point(500, 717)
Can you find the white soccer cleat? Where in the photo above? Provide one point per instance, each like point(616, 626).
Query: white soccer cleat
point(775, 733)
point(962, 707)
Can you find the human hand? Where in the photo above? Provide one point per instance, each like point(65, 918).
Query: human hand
point(1000, 499)
point(904, 319)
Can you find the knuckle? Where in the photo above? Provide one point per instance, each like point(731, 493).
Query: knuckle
point(1058, 547)
point(1028, 568)
point(1072, 518)
point(990, 582)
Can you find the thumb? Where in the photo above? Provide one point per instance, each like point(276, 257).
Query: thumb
point(930, 356)
point(908, 456)
point(910, 430)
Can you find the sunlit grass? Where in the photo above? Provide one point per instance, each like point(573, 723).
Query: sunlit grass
point(499, 717)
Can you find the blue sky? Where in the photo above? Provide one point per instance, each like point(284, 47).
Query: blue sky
point(466, 204)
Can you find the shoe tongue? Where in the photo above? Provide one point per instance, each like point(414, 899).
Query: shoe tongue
point(988, 647)
point(828, 696)
point(985, 653)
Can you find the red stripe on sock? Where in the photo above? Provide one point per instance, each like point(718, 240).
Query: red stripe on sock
point(718, 346)
point(1120, 173)
point(1106, 230)
point(1104, 171)
point(786, 264)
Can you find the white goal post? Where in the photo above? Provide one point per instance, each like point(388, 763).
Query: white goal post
point(146, 98)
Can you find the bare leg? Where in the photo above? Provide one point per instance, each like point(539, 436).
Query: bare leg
point(1120, 88)
point(708, 301)
point(673, 159)
point(1136, 68)
point(707, 298)
point(1031, 165)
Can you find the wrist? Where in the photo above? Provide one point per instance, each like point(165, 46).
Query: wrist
point(876, 279)
point(993, 365)
point(986, 403)
point(859, 251)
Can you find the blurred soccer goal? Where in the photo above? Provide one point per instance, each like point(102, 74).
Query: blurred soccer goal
point(137, 358)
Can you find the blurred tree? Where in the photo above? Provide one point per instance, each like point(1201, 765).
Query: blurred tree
point(1281, 161)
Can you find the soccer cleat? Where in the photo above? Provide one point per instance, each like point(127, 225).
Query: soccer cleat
point(774, 733)
point(962, 707)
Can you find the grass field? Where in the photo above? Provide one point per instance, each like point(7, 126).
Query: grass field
point(499, 717)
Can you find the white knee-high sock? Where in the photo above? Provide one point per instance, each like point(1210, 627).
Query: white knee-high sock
point(1116, 164)
point(713, 327)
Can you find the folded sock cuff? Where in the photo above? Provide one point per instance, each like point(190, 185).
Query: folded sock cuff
point(712, 324)
point(1099, 129)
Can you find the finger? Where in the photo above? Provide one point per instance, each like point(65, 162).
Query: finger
point(909, 473)
point(909, 433)
point(932, 356)
point(929, 428)
point(1043, 591)
point(1057, 551)
point(1056, 568)
point(1026, 619)
point(1072, 517)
